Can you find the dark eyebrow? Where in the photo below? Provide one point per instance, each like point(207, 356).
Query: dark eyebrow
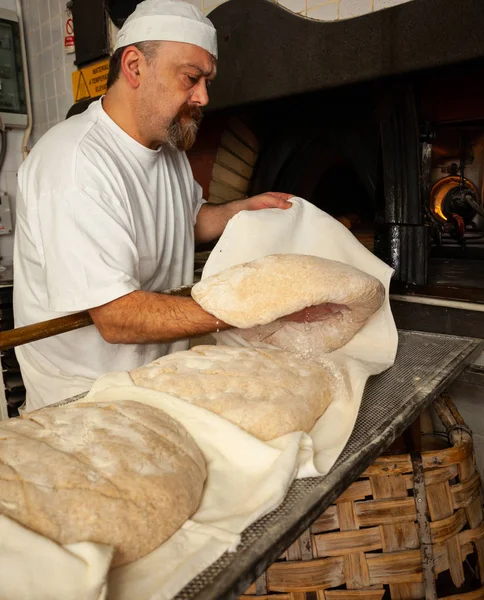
point(199, 69)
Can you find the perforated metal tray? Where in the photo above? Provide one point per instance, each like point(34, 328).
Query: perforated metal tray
point(426, 364)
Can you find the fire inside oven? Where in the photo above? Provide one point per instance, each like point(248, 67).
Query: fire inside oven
point(452, 169)
point(456, 198)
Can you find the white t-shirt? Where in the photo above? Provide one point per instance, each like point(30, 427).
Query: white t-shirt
point(98, 216)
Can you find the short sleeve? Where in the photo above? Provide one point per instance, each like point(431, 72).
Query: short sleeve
point(87, 249)
point(198, 200)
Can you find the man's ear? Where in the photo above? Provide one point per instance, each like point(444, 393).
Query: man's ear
point(131, 65)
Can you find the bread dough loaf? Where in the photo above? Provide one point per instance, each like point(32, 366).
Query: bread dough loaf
point(122, 474)
point(253, 296)
point(268, 393)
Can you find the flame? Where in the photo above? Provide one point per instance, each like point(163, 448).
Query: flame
point(441, 189)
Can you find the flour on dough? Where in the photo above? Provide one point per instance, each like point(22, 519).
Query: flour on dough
point(268, 393)
point(254, 296)
point(125, 475)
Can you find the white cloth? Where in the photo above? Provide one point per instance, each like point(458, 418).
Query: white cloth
point(77, 571)
point(98, 216)
point(168, 20)
point(247, 478)
point(304, 229)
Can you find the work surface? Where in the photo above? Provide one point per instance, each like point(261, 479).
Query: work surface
point(426, 364)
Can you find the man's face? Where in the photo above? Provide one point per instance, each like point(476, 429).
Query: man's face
point(172, 93)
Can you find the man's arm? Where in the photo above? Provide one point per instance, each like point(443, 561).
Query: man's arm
point(213, 218)
point(147, 317)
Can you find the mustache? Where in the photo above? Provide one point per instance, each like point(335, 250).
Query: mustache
point(191, 112)
point(182, 132)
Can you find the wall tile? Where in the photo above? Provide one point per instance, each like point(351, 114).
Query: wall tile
point(60, 81)
point(47, 61)
point(56, 30)
point(45, 35)
point(49, 85)
point(354, 8)
point(52, 115)
point(296, 6)
point(54, 8)
point(40, 112)
point(36, 135)
point(64, 103)
point(31, 16)
point(44, 14)
point(197, 3)
point(326, 12)
point(69, 68)
point(33, 40)
point(37, 89)
point(33, 63)
point(379, 4)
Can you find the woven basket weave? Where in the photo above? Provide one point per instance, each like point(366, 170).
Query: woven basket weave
point(407, 521)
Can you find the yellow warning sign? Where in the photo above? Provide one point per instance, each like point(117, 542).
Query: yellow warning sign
point(91, 81)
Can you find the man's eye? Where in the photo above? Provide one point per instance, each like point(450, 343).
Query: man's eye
point(192, 80)
point(208, 82)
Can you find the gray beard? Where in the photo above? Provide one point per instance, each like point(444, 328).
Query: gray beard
point(181, 137)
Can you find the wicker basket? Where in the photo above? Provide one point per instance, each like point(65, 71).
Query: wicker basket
point(410, 528)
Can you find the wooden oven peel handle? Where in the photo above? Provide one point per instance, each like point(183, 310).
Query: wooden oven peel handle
point(38, 331)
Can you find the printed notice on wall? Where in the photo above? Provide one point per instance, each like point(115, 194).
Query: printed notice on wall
point(91, 81)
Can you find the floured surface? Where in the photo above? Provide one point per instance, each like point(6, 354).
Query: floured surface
point(268, 393)
point(123, 475)
point(254, 295)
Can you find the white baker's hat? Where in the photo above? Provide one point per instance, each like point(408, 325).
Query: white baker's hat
point(170, 21)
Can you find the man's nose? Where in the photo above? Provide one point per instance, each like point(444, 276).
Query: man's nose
point(200, 95)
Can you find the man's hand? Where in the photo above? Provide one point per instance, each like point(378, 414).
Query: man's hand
point(213, 218)
point(268, 200)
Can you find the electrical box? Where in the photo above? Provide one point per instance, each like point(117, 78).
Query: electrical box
point(5, 214)
point(13, 106)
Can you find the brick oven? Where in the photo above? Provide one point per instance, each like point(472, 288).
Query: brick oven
point(378, 120)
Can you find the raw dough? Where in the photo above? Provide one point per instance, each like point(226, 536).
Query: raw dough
point(253, 296)
point(122, 474)
point(266, 392)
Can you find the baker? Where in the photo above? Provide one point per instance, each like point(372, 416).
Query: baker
point(108, 211)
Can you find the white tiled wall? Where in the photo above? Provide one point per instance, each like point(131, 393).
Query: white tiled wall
point(50, 81)
point(49, 66)
point(324, 10)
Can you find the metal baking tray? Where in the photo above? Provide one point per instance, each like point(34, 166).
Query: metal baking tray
point(426, 364)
